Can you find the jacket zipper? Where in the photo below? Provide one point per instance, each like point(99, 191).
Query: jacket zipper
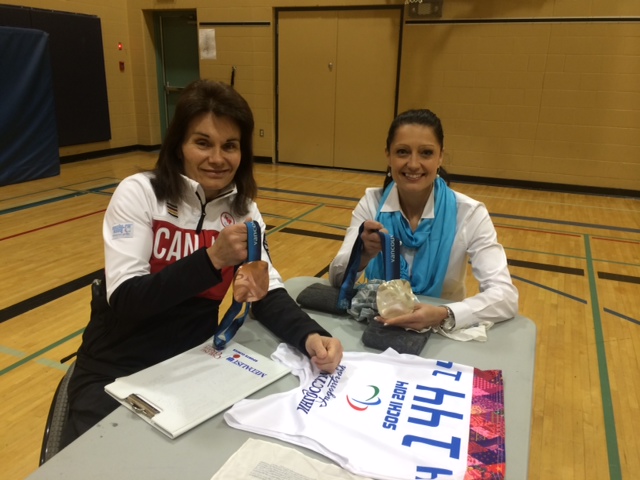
point(202, 215)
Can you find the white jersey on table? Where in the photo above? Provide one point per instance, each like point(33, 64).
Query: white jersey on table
point(388, 416)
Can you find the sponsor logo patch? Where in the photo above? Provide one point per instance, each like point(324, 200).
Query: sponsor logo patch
point(122, 230)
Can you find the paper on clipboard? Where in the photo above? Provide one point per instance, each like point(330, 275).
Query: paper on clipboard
point(180, 393)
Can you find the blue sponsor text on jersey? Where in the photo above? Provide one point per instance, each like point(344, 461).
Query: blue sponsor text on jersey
point(314, 393)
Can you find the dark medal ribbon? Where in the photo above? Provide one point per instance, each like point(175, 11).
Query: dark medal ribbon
point(250, 284)
point(391, 261)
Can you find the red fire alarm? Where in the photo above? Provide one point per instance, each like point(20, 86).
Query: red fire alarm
point(121, 66)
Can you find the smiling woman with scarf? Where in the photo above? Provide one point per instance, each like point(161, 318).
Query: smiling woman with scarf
point(439, 231)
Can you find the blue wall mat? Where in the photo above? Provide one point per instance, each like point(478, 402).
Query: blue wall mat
point(28, 131)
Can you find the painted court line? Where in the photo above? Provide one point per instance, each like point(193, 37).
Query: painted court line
point(52, 225)
point(12, 352)
point(613, 453)
point(52, 364)
point(564, 222)
point(40, 352)
point(619, 315)
point(62, 187)
point(309, 194)
point(544, 287)
point(74, 194)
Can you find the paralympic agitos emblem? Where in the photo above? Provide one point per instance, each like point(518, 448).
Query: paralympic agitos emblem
point(361, 405)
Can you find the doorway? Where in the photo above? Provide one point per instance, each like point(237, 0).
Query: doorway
point(337, 86)
point(177, 58)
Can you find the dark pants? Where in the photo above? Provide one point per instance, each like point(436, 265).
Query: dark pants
point(88, 403)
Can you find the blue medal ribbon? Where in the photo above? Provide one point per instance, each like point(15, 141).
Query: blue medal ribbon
point(390, 256)
point(391, 259)
point(235, 316)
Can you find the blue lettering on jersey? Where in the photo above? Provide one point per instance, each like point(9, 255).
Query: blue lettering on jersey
point(315, 395)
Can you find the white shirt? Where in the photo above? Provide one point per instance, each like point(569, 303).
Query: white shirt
point(387, 416)
point(476, 240)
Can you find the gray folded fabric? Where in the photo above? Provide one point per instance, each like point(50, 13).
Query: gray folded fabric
point(377, 336)
point(321, 297)
point(363, 304)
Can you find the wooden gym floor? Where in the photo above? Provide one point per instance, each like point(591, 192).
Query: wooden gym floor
point(574, 258)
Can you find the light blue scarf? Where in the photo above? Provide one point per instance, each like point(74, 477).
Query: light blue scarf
point(433, 240)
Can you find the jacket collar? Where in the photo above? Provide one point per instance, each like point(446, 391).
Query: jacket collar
point(392, 204)
point(196, 192)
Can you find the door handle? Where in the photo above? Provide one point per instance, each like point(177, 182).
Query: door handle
point(169, 89)
point(330, 66)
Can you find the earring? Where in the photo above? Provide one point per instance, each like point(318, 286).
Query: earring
point(389, 173)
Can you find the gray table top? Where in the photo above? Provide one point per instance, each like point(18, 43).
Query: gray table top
point(125, 447)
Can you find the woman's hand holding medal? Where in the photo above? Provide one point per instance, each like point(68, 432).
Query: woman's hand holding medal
point(251, 281)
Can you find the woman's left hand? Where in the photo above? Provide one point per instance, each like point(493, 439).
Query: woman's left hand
point(423, 316)
point(325, 352)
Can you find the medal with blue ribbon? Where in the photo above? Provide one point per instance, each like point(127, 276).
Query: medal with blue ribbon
point(250, 284)
point(390, 258)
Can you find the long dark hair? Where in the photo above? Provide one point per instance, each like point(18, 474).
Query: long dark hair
point(206, 96)
point(422, 117)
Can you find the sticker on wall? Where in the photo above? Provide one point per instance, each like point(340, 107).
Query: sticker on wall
point(207, 43)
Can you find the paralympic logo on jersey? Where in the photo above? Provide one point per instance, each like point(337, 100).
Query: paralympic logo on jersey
point(362, 405)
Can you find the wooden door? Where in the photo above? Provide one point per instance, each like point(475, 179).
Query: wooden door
point(336, 86)
point(366, 87)
point(306, 87)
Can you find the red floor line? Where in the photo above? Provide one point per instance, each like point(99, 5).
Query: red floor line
point(52, 225)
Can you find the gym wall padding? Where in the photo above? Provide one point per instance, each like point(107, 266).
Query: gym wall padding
point(79, 79)
point(78, 69)
point(28, 132)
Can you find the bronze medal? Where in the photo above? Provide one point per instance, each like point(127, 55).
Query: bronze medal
point(251, 282)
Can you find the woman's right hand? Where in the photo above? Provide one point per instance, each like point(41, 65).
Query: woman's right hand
point(423, 316)
point(230, 248)
point(372, 245)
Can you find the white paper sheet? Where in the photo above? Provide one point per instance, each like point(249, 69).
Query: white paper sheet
point(260, 460)
point(207, 44)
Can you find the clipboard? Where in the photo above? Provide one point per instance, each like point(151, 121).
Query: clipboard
point(181, 392)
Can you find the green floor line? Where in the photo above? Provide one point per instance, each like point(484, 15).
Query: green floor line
point(12, 352)
point(295, 219)
point(539, 252)
point(611, 262)
point(41, 203)
point(615, 472)
point(312, 222)
point(52, 364)
point(40, 352)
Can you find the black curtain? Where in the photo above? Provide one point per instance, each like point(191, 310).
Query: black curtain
point(78, 71)
point(28, 133)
